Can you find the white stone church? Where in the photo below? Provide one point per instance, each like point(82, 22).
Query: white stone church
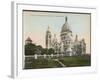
point(66, 45)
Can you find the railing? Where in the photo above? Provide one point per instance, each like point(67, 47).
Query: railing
point(36, 56)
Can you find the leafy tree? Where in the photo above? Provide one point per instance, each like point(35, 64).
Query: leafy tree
point(50, 51)
point(39, 49)
point(30, 49)
point(44, 51)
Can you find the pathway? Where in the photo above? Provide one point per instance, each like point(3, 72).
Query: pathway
point(60, 63)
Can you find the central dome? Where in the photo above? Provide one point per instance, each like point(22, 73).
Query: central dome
point(66, 27)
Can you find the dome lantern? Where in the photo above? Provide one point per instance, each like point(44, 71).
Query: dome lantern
point(66, 19)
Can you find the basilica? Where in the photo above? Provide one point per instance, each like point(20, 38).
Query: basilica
point(66, 45)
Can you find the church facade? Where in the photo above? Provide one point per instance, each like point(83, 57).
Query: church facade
point(66, 45)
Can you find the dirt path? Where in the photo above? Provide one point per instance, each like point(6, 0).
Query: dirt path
point(60, 62)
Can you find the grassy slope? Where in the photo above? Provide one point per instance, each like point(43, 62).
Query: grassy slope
point(42, 63)
point(73, 61)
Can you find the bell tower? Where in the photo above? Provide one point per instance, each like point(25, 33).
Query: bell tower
point(48, 38)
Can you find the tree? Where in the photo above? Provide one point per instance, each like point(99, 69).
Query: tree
point(50, 51)
point(39, 49)
point(30, 49)
point(44, 51)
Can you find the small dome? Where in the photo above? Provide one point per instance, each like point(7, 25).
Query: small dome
point(29, 39)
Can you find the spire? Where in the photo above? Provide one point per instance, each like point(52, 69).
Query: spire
point(28, 40)
point(66, 19)
point(76, 38)
point(48, 30)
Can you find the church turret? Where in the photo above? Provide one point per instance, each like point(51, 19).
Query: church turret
point(76, 38)
point(48, 38)
point(28, 40)
point(76, 42)
point(83, 46)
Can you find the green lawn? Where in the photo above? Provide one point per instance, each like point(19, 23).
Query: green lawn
point(72, 61)
point(42, 63)
point(75, 61)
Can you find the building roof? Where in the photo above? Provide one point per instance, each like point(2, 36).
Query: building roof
point(65, 26)
point(29, 39)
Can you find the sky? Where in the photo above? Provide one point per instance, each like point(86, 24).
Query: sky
point(35, 25)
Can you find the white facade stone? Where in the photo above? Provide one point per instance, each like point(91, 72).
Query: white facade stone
point(66, 45)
